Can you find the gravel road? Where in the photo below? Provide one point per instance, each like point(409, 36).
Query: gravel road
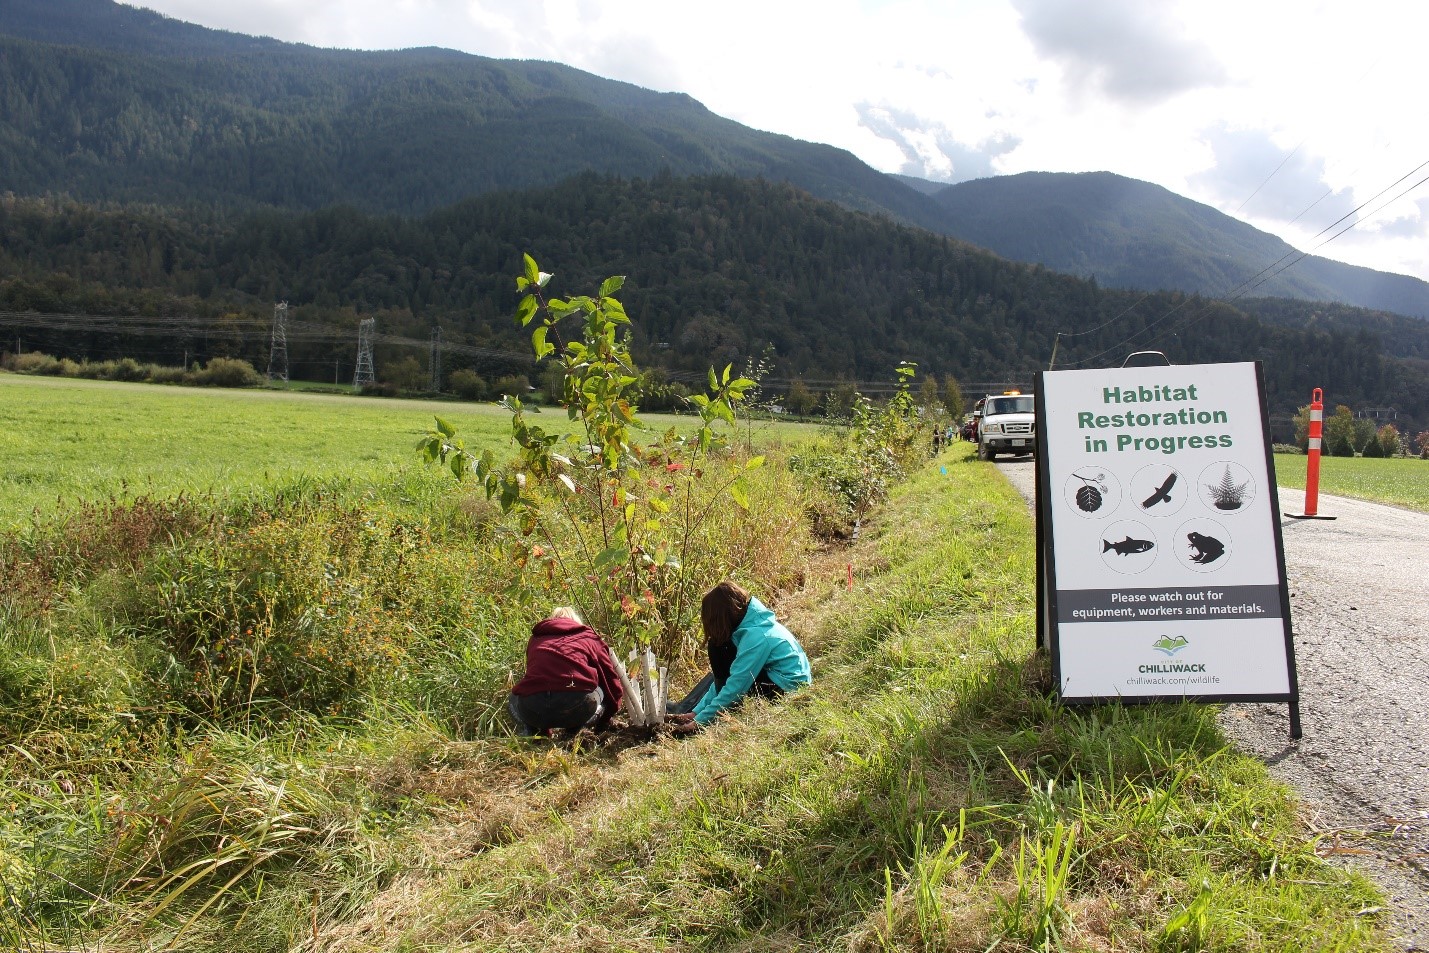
point(1359, 604)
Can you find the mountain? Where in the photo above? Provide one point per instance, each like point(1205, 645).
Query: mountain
point(1131, 234)
point(105, 102)
point(109, 103)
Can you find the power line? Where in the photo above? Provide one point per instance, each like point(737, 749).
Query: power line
point(278, 351)
point(364, 374)
point(1250, 284)
point(250, 330)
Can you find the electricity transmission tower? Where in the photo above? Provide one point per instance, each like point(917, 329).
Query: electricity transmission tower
point(434, 361)
point(364, 375)
point(278, 353)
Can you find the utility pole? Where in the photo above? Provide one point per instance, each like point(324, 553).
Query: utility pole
point(278, 352)
point(364, 374)
point(434, 360)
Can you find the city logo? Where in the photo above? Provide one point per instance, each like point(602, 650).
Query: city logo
point(1169, 645)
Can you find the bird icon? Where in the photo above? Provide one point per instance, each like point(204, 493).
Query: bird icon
point(1162, 494)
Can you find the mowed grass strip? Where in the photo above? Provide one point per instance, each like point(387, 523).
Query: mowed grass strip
point(65, 441)
point(1400, 481)
point(925, 794)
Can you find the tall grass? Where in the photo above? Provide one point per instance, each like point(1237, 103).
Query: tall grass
point(924, 794)
point(172, 780)
point(206, 701)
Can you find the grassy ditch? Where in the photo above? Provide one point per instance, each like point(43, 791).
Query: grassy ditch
point(924, 795)
point(1399, 481)
point(363, 794)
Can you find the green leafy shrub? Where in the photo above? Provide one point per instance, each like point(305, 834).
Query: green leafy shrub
point(128, 369)
point(160, 374)
point(613, 524)
point(514, 385)
point(467, 384)
point(227, 372)
point(301, 608)
point(32, 362)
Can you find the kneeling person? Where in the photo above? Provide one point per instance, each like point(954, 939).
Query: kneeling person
point(750, 652)
point(570, 680)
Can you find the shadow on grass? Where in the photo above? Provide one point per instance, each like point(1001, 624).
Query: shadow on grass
point(998, 751)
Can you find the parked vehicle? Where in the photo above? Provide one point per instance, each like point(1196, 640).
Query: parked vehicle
point(1008, 425)
point(1146, 359)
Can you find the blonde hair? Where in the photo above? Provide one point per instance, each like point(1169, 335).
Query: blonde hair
point(566, 612)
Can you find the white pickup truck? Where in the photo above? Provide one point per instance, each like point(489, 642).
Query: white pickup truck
point(1008, 425)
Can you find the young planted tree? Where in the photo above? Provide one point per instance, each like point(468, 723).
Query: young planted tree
point(930, 398)
point(620, 528)
point(1364, 435)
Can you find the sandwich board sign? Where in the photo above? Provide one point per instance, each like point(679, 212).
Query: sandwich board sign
point(1161, 569)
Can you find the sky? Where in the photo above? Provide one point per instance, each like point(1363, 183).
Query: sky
point(1296, 117)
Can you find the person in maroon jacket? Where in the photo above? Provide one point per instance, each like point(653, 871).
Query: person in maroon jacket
point(570, 680)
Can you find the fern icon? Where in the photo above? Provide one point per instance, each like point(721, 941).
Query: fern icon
point(1227, 494)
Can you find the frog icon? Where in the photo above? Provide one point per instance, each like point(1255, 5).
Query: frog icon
point(1205, 549)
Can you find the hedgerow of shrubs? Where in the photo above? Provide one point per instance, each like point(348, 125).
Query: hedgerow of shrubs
point(218, 372)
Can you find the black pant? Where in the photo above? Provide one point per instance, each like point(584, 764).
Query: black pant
point(721, 660)
point(541, 711)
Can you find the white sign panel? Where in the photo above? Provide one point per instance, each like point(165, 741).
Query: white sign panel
point(1163, 567)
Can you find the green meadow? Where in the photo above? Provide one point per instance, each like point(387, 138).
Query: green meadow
point(1399, 481)
point(66, 441)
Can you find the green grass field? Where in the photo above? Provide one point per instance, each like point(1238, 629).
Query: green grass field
point(1400, 481)
point(65, 440)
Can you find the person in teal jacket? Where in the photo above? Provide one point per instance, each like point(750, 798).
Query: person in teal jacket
point(751, 653)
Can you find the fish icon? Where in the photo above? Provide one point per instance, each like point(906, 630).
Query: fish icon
point(1127, 546)
point(1162, 494)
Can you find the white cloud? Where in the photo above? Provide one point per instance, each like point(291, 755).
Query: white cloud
point(1129, 50)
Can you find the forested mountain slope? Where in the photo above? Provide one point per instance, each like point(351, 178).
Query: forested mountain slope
point(718, 268)
point(105, 102)
point(1132, 234)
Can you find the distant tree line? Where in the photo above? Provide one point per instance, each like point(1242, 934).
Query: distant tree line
point(719, 269)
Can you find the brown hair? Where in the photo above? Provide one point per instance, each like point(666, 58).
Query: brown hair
point(722, 610)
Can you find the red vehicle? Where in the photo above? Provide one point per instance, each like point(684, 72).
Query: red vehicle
point(970, 422)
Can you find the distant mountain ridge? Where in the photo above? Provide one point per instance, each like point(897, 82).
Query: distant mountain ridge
point(1131, 234)
point(109, 103)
